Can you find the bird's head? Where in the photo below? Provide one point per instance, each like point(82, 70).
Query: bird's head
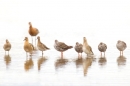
point(38, 37)
point(29, 23)
point(26, 39)
point(84, 39)
point(7, 41)
point(56, 41)
point(77, 43)
point(101, 43)
point(118, 41)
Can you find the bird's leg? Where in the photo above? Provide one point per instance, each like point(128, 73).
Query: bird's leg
point(104, 54)
point(32, 40)
point(5, 52)
point(101, 54)
point(78, 56)
point(26, 58)
point(42, 53)
point(81, 55)
point(31, 55)
point(8, 52)
point(26, 54)
point(120, 53)
point(35, 42)
point(61, 55)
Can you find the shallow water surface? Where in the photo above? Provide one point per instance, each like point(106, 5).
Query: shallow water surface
point(51, 70)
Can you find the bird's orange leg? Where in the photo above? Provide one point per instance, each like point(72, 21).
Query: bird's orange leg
point(61, 55)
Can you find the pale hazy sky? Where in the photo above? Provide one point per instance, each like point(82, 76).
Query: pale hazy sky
point(72, 15)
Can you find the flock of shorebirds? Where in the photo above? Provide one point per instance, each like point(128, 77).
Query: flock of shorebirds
point(61, 46)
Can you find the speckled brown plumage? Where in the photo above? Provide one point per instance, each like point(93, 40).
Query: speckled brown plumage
point(121, 46)
point(61, 47)
point(102, 48)
point(79, 48)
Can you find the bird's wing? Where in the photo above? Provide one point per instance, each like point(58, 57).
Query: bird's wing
point(80, 45)
point(90, 49)
point(77, 48)
point(62, 45)
point(37, 30)
point(4, 46)
point(31, 46)
point(105, 46)
point(125, 44)
point(44, 46)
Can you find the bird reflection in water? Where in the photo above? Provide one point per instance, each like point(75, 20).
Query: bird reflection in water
point(28, 64)
point(60, 63)
point(7, 59)
point(87, 64)
point(41, 60)
point(79, 62)
point(121, 60)
point(102, 61)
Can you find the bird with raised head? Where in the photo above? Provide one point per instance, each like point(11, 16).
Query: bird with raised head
point(86, 47)
point(42, 47)
point(33, 32)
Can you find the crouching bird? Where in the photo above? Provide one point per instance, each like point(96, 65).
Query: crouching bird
point(61, 47)
point(121, 46)
point(79, 49)
point(102, 48)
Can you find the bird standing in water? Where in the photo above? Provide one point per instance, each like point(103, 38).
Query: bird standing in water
point(79, 49)
point(87, 48)
point(33, 32)
point(42, 47)
point(102, 48)
point(121, 46)
point(28, 47)
point(61, 47)
point(7, 46)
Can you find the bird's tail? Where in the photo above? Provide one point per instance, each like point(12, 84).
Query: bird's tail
point(92, 53)
point(69, 47)
point(48, 48)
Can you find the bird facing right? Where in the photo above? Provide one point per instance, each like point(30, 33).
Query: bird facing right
point(42, 47)
point(121, 46)
point(86, 47)
point(61, 47)
point(7, 46)
point(78, 48)
point(102, 48)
